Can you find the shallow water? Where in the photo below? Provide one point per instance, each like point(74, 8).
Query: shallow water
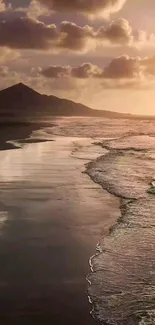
point(51, 218)
point(100, 127)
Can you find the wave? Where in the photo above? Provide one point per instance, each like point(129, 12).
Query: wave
point(122, 279)
point(99, 127)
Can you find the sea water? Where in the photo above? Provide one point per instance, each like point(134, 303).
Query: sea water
point(43, 178)
point(122, 277)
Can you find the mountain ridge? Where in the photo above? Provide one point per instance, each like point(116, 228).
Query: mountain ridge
point(20, 101)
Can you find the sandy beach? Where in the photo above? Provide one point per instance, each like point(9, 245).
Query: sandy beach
point(52, 216)
point(61, 191)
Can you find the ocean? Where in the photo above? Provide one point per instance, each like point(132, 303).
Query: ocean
point(77, 222)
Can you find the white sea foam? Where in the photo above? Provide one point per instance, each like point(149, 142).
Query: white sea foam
point(122, 279)
point(123, 272)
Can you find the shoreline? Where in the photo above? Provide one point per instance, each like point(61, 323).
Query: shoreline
point(11, 131)
point(128, 231)
point(94, 222)
point(98, 248)
point(121, 148)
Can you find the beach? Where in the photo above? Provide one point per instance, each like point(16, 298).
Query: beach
point(123, 272)
point(52, 216)
point(67, 189)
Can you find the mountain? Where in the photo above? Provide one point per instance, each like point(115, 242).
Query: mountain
point(21, 102)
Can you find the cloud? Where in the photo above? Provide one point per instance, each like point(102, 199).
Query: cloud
point(92, 8)
point(7, 54)
point(118, 32)
point(86, 70)
point(87, 82)
point(19, 31)
point(56, 72)
point(35, 10)
point(4, 71)
point(8, 77)
point(122, 72)
point(27, 33)
point(35, 80)
point(17, 3)
point(148, 65)
point(122, 67)
point(74, 37)
point(2, 5)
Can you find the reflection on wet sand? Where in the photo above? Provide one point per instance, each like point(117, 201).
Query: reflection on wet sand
point(54, 217)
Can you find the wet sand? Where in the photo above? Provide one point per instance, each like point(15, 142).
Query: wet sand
point(52, 216)
point(18, 130)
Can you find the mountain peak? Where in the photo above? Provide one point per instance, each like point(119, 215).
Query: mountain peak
point(21, 101)
point(20, 85)
point(20, 88)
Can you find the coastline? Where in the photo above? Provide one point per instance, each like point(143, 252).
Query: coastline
point(70, 289)
point(89, 166)
point(125, 254)
point(117, 229)
point(10, 131)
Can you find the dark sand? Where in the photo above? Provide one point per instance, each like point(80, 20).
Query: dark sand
point(18, 131)
point(55, 217)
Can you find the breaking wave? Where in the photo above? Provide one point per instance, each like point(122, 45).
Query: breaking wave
point(122, 278)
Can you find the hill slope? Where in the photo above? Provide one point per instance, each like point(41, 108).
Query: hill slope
point(20, 101)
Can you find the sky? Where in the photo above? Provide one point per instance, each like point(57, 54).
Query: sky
point(97, 52)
